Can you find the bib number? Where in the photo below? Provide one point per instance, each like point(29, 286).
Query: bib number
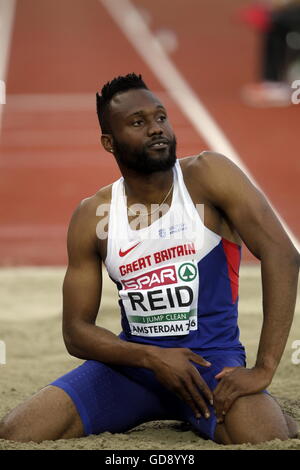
point(162, 302)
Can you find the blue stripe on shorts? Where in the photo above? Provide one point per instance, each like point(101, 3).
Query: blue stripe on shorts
point(118, 398)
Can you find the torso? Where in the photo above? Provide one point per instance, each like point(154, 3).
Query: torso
point(214, 220)
point(177, 278)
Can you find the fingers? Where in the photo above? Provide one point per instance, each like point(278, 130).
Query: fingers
point(199, 359)
point(177, 373)
point(190, 394)
point(202, 386)
point(198, 380)
point(194, 390)
point(222, 406)
point(221, 400)
point(190, 398)
point(224, 371)
point(225, 393)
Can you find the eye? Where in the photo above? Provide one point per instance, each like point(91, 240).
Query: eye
point(137, 122)
point(162, 118)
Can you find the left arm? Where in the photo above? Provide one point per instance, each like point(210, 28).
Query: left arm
point(245, 206)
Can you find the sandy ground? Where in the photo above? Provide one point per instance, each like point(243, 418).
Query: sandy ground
point(30, 326)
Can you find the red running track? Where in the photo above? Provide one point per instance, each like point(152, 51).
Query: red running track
point(62, 51)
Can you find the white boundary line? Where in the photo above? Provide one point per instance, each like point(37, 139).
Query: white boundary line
point(7, 14)
point(132, 24)
point(51, 102)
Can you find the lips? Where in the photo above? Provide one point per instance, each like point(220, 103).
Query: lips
point(159, 144)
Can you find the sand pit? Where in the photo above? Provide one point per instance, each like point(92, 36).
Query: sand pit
point(30, 326)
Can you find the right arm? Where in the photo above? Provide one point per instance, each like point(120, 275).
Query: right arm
point(84, 339)
point(82, 290)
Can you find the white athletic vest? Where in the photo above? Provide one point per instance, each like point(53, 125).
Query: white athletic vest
point(156, 269)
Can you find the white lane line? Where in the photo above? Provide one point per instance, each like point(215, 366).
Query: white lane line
point(32, 231)
point(47, 102)
point(132, 24)
point(52, 102)
point(7, 14)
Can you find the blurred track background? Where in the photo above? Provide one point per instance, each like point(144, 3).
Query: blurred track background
point(63, 51)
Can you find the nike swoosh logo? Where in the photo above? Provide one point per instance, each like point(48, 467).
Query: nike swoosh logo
point(123, 253)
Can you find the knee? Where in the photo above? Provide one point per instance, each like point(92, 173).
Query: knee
point(255, 419)
point(10, 430)
point(6, 431)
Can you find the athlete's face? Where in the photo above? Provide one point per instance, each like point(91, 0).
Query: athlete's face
point(142, 137)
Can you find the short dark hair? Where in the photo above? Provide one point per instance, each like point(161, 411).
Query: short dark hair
point(117, 85)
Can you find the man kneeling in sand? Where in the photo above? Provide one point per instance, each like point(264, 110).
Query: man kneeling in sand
point(179, 355)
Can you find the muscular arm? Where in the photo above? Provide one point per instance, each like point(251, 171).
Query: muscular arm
point(82, 295)
point(250, 213)
point(84, 339)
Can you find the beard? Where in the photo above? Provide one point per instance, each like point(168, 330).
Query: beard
point(142, 161)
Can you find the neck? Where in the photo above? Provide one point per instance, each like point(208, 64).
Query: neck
point(147, 189)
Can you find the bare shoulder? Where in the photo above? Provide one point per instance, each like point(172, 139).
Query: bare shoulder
point(214, 173)
point(88, 208)
point(205, 163)
point(89, 212)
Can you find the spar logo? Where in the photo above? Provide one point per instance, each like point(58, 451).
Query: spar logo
point(158, 277)
point(187, 272)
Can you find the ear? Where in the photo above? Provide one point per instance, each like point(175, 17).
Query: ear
point(107, 142)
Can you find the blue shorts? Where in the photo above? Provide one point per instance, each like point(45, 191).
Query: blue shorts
point(118, 398)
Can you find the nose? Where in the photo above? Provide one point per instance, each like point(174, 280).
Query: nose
point(154, 128)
